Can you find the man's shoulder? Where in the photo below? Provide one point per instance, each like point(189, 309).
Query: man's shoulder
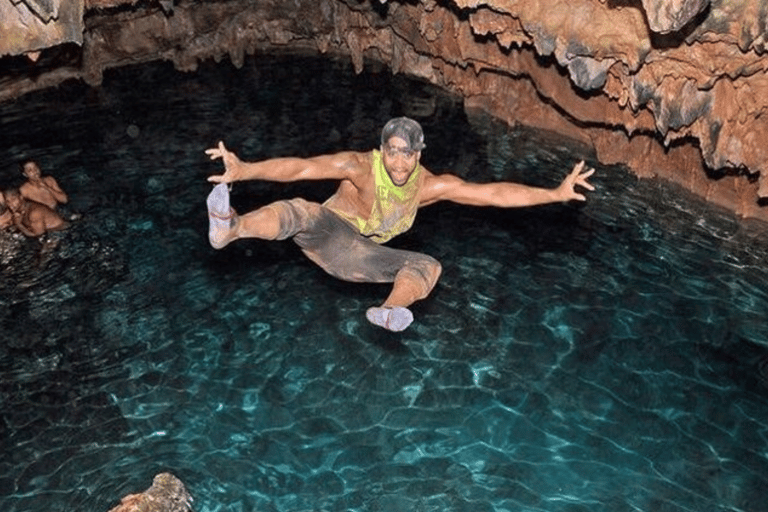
point(361, 158)
point(356, 163)
point(436, 185)
point(432, 180)
point(348, 159)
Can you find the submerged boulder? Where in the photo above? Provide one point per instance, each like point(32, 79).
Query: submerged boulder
point(167, 494)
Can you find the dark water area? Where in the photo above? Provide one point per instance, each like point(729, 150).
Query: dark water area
point(606, 356)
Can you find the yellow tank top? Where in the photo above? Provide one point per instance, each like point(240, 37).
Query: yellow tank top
point(394, 208)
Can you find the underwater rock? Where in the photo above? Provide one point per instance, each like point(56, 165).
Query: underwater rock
point(167, 494)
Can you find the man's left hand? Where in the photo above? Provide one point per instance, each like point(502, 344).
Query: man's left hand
point(578, 176)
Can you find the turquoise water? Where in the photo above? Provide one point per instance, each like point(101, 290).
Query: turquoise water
point(608, 356)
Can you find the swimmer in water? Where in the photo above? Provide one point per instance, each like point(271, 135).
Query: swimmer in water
point(6, 215)
point(32, 218)
point(41, 189)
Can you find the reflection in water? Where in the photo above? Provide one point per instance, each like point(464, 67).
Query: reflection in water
point(601, 356)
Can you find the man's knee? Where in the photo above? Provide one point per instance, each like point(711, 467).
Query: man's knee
point(435, 269)
point(292, 216)
point(426, 272)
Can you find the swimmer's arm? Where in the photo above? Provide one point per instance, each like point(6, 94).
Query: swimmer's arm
point(338, 167)
point(504, 194)
point(56, 190)
point(21, 227)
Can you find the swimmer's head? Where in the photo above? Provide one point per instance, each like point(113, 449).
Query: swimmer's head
point(13, 199)
point(31, 170)
point(405, 128)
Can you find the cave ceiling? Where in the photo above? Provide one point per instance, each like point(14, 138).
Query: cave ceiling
point(671, 88)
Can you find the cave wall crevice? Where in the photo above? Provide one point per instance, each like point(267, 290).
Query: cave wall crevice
point(670, 88)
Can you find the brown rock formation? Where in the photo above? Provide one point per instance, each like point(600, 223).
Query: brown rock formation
point(665, 16)
point(672, 88)
point(167, 494)
point(28, 26)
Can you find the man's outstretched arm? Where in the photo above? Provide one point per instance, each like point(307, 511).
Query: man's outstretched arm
point(339, 166)
point(505, 194)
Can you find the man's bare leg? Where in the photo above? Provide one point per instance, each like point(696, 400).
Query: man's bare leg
point(405, 291)
point(262, 223)
point(409, 287)
point(223, 227)
point(394, 314)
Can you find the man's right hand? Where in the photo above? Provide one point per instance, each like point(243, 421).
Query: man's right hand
point(231, 164)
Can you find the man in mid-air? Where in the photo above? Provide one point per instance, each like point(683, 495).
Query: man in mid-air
point(377, 199)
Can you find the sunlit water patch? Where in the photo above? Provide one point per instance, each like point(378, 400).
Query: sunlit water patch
point(606, 356)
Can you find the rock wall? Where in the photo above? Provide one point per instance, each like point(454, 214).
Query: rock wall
point(28, 26)
point(672, 88)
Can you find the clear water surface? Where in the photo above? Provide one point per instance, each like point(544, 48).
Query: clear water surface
point(608, 356)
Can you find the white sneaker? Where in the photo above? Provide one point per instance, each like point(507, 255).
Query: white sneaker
point(220, 215)
point(394, 319)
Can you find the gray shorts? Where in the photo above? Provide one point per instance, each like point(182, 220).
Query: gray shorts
point(340, 250)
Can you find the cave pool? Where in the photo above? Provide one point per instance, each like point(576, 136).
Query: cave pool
point(606, 356)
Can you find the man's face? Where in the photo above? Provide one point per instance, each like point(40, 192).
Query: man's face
point(31, 170)
point(13, 200)
point(399, 161)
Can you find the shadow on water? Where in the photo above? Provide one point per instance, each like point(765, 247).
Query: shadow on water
point(608, 356)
